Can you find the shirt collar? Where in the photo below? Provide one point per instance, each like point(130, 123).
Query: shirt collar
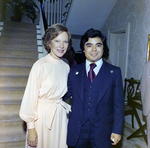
point(98, 63)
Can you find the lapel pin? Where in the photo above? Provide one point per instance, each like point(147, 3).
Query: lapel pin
point(77, 72)
point(111, 71)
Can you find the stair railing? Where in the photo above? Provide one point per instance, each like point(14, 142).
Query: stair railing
point(55, 11)
point(66, 12)
point(1, 26)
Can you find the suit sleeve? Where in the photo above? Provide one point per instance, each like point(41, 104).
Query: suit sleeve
point(69, 93)
point(118, 104)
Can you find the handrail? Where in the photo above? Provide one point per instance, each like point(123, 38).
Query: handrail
point(65, 14)
point(43, 26)
point(43, 16)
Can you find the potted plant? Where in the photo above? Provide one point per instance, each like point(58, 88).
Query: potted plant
point(20, 8)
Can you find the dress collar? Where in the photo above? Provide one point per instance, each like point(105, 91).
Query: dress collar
point(53, 60)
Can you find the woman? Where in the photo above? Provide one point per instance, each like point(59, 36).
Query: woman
point(42, 107)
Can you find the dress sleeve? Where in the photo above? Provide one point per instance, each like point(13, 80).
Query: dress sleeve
point(28, 109)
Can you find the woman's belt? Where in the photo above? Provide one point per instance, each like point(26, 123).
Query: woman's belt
point(50, 107)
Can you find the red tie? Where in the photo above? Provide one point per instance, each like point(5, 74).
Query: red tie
point(91, 74)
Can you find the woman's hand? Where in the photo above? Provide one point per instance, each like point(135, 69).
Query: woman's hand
point(32, 138)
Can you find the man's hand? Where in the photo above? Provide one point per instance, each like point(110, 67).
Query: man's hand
point(115, 138)
point(32, 138)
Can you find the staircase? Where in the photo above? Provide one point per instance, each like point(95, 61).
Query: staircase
point(18, 52)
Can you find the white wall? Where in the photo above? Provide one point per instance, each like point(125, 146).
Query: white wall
point(137, 12)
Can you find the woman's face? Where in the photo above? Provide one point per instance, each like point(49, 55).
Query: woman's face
point(59, 45)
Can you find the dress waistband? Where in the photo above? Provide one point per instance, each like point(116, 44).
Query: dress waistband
point(50, 101)
point(51, 109)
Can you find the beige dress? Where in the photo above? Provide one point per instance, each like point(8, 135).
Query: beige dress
point(42, 106)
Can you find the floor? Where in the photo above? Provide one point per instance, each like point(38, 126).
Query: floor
point(133, 142)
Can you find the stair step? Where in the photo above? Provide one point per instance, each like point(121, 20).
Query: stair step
point(12, 136)
point(18, 46)
point(19, 26)
point(11, 96)
point(25, 40)
point(14, 71)
point(23, 25)
point(20, 29)
point(9, 112)
point(14, 25)
point(18, 144)
point(13, 125)
point(9, 117)
point(13, 33)
point(17, 61)
point(9, 108)
point(18, 53)
point(13, 81)
point(19, 42)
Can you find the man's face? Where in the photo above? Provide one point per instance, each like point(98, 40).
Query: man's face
point(93, 49)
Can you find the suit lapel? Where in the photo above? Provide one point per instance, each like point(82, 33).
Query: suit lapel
point(105, 76)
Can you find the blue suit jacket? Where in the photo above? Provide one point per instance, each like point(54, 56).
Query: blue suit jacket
point(109, 115)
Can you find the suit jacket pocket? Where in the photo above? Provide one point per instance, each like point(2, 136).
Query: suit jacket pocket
point(110, 118)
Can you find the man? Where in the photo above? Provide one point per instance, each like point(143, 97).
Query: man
point(145, 96)
point(97, 114)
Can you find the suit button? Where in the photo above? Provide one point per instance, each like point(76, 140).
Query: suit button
point(89, 97)
point(89, 103)
point(88, 109)
point(79, 121)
